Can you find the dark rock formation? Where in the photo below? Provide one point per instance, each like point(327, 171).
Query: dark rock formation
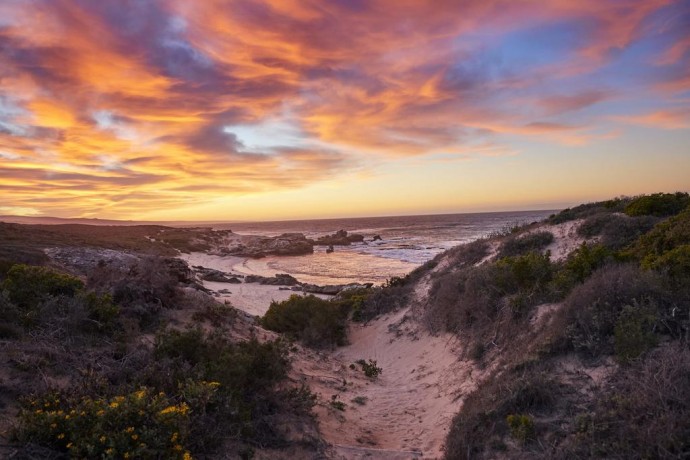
point(287, 244)
point(339, 238)
point(280, 279)
point(332, 289)
point(377, 238)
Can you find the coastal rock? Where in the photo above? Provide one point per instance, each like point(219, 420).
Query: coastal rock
point(332, 289)
point(281, 279)
point(377, 238)
point(287, 244)
point(339, 238)
point(209, 274)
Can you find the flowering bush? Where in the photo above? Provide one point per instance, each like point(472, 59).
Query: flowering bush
point(141, 424)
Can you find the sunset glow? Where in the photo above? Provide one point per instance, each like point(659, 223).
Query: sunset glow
point(277, 109)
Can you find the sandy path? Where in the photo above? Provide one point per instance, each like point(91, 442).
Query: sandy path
point(407, 410)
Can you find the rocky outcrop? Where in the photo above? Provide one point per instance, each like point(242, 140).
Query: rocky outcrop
point(332, 289)
point(339, 238)
point(209, 274)
point(281, 279)
point(287, 244)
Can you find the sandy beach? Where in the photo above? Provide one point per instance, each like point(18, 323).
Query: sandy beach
point(252, 298)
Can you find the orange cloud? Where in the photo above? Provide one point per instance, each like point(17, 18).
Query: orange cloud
point(147, 96)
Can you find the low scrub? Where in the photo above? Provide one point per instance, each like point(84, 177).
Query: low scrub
point(519, 245)
point(643, 414)
point(658, 204)
point(592, 310)
point(616, 231)
point(309, 319)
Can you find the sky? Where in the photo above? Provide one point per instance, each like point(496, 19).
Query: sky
point(279, 109)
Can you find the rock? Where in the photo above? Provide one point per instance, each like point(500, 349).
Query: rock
point(332, 289)
point(281, 279)
point(377, 238)
point(210, 274)
point(339, 238)
point(224, 291)
point(287, 244)
point(234, 280)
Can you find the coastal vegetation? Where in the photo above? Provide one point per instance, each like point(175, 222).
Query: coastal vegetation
point(576, 350)
point(85, 384)
point(624, 296)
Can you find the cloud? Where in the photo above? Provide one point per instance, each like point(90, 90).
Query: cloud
point(669, 119)
point(148, 95)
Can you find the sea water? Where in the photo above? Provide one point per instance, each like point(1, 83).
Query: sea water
point(406, 243)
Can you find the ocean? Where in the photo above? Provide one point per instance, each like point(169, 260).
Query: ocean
point(406, 243)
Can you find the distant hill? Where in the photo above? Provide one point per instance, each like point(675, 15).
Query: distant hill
point(46, 220)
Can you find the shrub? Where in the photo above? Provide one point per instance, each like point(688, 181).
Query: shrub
point(658, 204)
point(370, 368)
point(634, 331)
point(141, 424)
point(485, 414)
point(585, 210)
point(521, 427)
point(519, 245)
point(643, 413)
point(580, 265)
point(616, 230)
point(665, 236)
point(312, 320)
point(592, 309)
point(28, 285)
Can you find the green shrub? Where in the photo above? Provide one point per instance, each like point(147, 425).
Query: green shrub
point(616, 230)
point(658, 204)
point(370, 368)
point(141, 424)
point(580, 265)
point(634, 331)
point(664, 237)
point(675, 264)
point(28, 285)
point(521, 427)
point(514, 246)
point(529, 272)
point(592, 309)
point(314, 321)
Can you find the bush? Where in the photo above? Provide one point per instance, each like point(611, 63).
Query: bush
point(314, 321)
point(589, 209)
point(519, 245)
point(616, 230)
point(592, 310)
point(634, 331)
point(141, 424)
point(370, 368)
point(28, 285)
point(665, 236)
point(490, 411)
point(521, 427)
point(580, 265)
point(643, 413)
point(658, 204)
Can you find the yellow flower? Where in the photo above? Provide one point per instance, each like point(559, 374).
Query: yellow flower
point(140, 394)
point(114, 404)
point(100, 412)
point(53, 425)
point(129, 429)
point(173, 438)
point(39, 411)
point(69, 445)
point(102, 439)
point(126, 455)
point(110, 451)
point(61, 436)
point(187, 456)
point(135, 437)
point(177, 447)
